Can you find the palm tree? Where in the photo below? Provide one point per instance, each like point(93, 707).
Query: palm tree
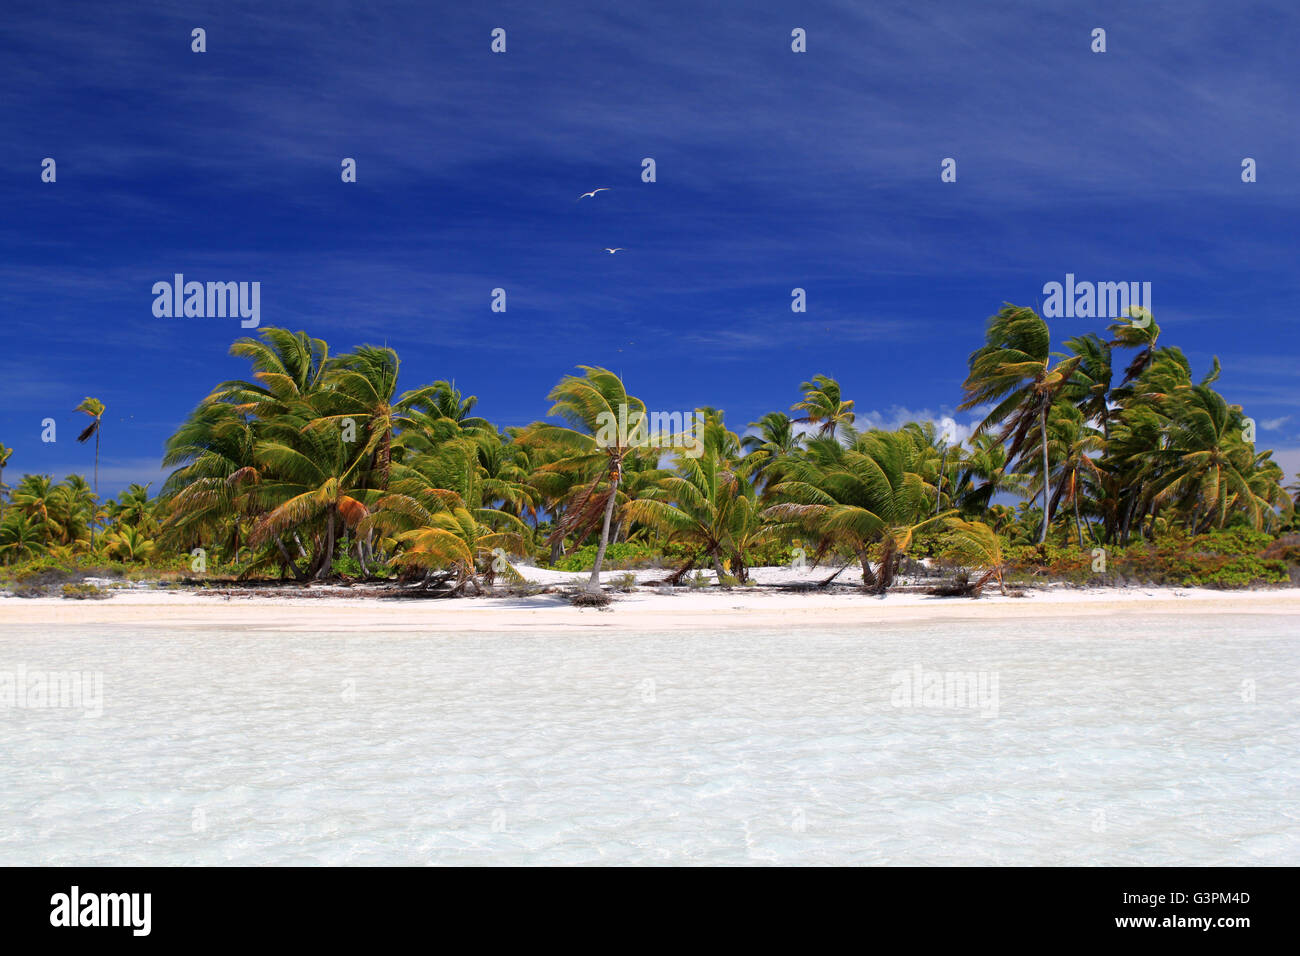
point(824, 405)
point(773, 442)
point(5, 454)
point(34, 497)
point(1090, 387)
point(129, 543)
point(871, 494)
point(440, 518)
point(602, 421)
point(1014, 369)
point(308, 475)
point(708, 506)
point(982, 474)
point(95, 409)
point(1208, 465)
point(21, 537)
point(975, 544)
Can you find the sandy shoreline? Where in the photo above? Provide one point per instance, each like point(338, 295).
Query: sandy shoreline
point(637, 611)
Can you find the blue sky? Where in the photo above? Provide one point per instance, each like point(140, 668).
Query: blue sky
point(774, 170)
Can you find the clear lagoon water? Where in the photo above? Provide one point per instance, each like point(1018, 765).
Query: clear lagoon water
point(1123, 741)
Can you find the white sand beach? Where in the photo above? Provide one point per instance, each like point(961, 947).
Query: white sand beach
point(329, 608)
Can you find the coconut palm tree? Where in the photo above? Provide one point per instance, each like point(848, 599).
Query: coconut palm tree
point(824, 405)
point(869, 495)
point(1089, 389)
point(602, 424)
point(1014, 369)
point(22, 537)
point(772, 441)
point(1207, 464)
point(95, 409)
point(5, 454)
point(707, 505)
point(308, 476)
point(441, 521)
point(129, 543)
point(976, 545)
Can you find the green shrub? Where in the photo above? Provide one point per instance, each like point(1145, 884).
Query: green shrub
point(619, 556)
point(82, 592)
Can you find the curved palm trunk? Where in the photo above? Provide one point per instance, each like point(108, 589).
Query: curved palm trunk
point(868, 576)
point(293, 565)
point(719, 570)
point(92, 507)
point(594, 583)
point(1047, 505)
point(938, 489)
point(888, 561)
point(1078, 529)
point(328, 562)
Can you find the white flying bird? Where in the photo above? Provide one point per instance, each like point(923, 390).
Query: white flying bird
point(602, 189)
point(612, 251)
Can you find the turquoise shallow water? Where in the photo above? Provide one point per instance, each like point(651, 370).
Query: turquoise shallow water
point(1142, 741)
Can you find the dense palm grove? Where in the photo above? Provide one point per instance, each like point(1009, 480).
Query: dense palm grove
point(316, 466)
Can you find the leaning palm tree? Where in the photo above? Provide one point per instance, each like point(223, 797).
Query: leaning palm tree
point(976, 545)
point(5, 454)
point(95, 409)
point(1014, 369)
point(602, 424)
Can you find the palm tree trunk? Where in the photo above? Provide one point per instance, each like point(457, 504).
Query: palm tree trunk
point(1042, 431)
point(718, 569)
point(888, 561)
point(325, 566)
point(594, 583)
point(938, 486)
point(1074, 493)
point(92, 507)
point(284, 554)
point(868, 577)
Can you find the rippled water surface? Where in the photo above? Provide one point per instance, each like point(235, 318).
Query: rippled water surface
point(1156, 741)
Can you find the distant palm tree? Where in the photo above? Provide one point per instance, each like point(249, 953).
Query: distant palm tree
point(824, 405)
point(1014, 369)
point(766, 451)
point(95, 409)
point(34, 497)
point(5, 453)
point(21, 537)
